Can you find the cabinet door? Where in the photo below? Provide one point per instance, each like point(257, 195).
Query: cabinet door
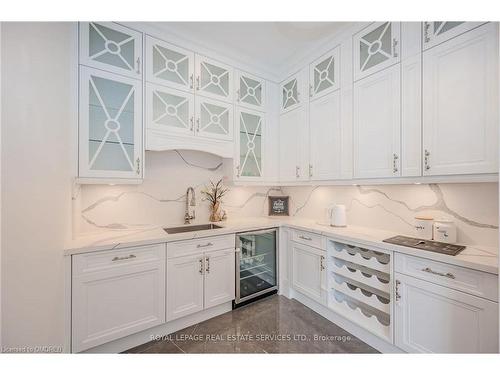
point(324, 74)
point(325, 137)
point(184, 286)
point(169, 110)
point(250, 91)
point(377, 125)
point(214, 119)
point(291, 93)
point(294, 142)
point(250, 145)
point(434, 319)
point(436, 32)
point(460, 104)
point(110, 128)
point(111, 304)
point(309, 272)
point(219, 277)
point(111, 47)
point(214, 79)
point(167, 64)
point(375, 48)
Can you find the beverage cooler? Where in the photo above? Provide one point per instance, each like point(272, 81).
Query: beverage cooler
point(256, 264)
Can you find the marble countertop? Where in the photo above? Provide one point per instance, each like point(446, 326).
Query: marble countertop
point(476, 257)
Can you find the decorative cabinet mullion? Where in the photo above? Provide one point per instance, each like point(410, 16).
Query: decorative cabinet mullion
point(250, 91)
point(436, 32)
point(290, 93)
point(324, 74)
point(250, 140)
point(214, 79)
point(214, 119)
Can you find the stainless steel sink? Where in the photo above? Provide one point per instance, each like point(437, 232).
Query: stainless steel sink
point(191, 228)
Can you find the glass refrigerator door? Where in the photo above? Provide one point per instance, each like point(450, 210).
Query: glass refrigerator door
point(257, 262)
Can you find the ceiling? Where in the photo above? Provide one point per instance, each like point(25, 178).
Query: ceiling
point(263, 44)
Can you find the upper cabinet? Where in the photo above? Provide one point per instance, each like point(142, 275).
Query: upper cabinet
point(169, 65)
point(111, 47)
point(214, 79)
point(249, 156)
point(110, 128)
point(214, 119)
point(324, 74)
point(436, 32)
point(460, 104)
point(375, 48)
point(250, 91)
point(294, 146)
point(291, 93)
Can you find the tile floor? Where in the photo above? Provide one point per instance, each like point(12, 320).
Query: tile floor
point(272, 325)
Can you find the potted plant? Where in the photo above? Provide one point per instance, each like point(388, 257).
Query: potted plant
point(214, 194)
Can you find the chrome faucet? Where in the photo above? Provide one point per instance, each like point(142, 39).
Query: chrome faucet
point(190, 203)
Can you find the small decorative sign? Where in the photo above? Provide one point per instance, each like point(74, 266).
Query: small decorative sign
point(278, 206)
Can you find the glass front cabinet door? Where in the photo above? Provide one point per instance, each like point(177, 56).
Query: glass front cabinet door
point(110, 125)
point(436, 32)
point(214, 79)
point(324, 74)
point(214, 119)
point(375, 48)
point(250, 91)
point(111, 47)
point(290, 92)
point(169, 65)
point(250, 145)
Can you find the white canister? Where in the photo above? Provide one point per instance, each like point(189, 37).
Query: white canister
point(423, 227)
point(445, 231)
point(339, 217)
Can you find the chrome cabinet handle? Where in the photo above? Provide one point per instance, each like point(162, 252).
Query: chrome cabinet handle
point(138, 166)
point(398, 296)
point(198, 83)
point(238, 170)
point(138, 65)
point(305, 238)
point(427, 164)
point(310, 90)
point(394, 47)
point(426, 32)
point(131, 256)
point(310, 170)
point(395, 158)
point(208, 264)
point(198, 124)
point(201, 266)
point(321, 263)
point(448, 274)
point(297, 171)
point(206, 245)
point(191, 120)
point(191, 81)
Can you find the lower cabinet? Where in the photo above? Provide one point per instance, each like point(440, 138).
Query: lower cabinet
point(434, 319)
point(116, 293)
point(309, 271)
point(200, 281)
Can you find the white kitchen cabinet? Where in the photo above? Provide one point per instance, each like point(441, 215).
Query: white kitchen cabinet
point(375, 48)
point(250, 91)
point(250, 140)
point(214, 119)
point(309, 271)
point(294, 146)
point(214, 79)
point(116, 293)
point(110, 125)
point(436, 32)
point(291, 92)
point(185, 282)
point(219, 277)
point(111, 47)
point(326, 156)
point(460, 104)
point(433, 319)
point(377, 124)
point(324, 74)
point(169, 65)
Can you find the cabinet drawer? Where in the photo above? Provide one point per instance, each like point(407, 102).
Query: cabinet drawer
point(115, 259)
point(309, 239)
point(477, 283)
point(189, 247)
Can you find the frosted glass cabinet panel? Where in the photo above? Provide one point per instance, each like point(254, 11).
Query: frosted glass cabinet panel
point(290, 93)
point(375, 48)
point(169, 65)
point(250, 144)
point(324, 74)
point(111, 47)
point(250, 91)
point(169, 109)
point(214, 119)
point(214, 79)
point(110, 128)
point(436, 32)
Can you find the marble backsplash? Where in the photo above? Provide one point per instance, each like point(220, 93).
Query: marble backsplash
point(160, 200)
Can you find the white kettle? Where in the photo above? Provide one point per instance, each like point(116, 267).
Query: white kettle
point(337, 215)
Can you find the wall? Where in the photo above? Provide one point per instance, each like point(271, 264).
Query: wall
point(36, 180)
point(473, 207)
